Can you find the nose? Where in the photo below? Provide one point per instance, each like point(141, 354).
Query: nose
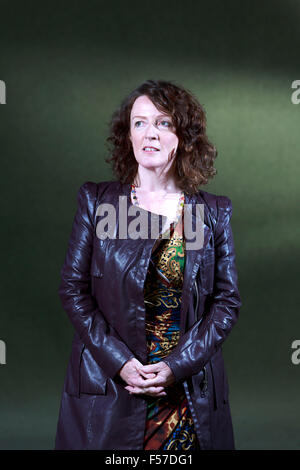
point(151, 132)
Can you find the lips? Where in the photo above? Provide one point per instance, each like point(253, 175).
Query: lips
point(150, 148)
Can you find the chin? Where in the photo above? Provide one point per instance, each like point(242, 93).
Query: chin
point(149, 165)
point(151, 161)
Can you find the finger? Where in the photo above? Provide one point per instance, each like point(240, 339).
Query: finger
point(154, 389)
point(157, 381)
point(150, 375)
point(156, 394)
point(136, 390)
point(141, 382)
point(145, 382)
point(147, 390)
point(136, 380)
point(161, 394)
point(151, 368)
point(131, 387)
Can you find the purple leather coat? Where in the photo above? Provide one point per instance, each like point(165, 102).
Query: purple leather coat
point(101, 290)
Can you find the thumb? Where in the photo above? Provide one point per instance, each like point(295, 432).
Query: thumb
point(151, 368)
point(147, 375)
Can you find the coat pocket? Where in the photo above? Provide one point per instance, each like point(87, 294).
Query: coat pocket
point(71, 385)
point(83, 373)
point(92, 378)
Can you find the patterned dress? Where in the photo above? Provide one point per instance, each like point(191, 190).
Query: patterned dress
point(169, 425)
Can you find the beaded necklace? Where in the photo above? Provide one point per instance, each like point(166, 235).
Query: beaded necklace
point(178, 211)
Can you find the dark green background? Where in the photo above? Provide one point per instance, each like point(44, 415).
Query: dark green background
point(67, 65)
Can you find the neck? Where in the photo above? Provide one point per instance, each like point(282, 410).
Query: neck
point(155, 184)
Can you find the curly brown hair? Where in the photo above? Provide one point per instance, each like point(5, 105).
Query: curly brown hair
point(193, 163)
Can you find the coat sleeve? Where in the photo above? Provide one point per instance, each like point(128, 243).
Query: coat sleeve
point(109, 351)
point(199, 343)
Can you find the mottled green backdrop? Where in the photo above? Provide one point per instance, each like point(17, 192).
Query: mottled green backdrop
point(67, 65)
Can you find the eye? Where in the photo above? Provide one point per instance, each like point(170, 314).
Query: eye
point(165, 123)
point(136, 123)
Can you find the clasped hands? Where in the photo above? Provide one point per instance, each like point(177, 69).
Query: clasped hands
point(150, 379)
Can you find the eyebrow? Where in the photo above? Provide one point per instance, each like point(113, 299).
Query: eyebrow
point(145, 117)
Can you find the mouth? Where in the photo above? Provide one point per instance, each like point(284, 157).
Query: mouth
point(150, 149)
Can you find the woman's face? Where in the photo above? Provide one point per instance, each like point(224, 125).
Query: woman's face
point(152, 135)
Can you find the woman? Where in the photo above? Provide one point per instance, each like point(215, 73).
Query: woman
point(150, 313)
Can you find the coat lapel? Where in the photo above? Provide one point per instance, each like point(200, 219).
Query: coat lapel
point(193, 257)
